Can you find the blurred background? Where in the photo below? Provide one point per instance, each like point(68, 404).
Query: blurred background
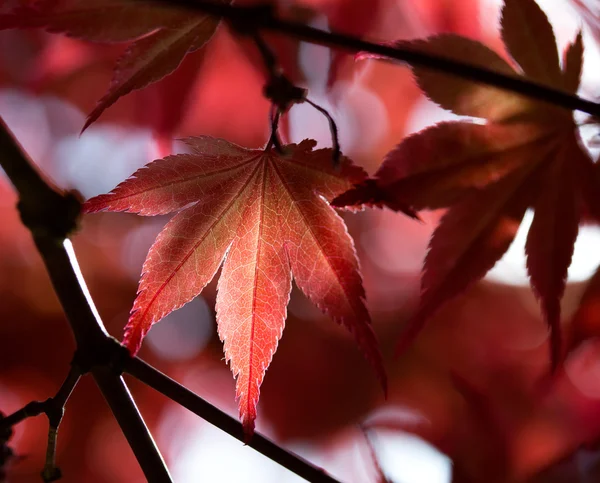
point(467, 402)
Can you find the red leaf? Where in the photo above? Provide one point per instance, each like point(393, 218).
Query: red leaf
point(267, 213)
point(459, 95)
point(527, 153)
point(573, 63)
point(472, 236)
point(441, 164)
point(552, 238)
point(164, 36)
point(369, 194)
point(150, 59)
point(456, 94)
point(530, 40)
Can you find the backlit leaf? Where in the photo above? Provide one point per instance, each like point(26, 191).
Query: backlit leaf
point(266, 215)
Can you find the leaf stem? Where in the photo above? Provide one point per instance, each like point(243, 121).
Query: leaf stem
point(274, 141)
point(335, 141)
point(268, 56)
point(263, 17)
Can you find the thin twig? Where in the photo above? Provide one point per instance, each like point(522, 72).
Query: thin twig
point(262, 17)
point(55, 412)
point(30, 410)
point(54, 409)
point(51, 472)
point(186, 398)
point(35, 408)
point(283, 94)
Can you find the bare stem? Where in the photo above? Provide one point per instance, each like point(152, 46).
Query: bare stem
point(55, 411)
point(54, 408)
point(263, 17)
point(35, 408)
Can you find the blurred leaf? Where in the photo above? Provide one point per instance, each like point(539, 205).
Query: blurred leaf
point(167, 36)
point(526, 154)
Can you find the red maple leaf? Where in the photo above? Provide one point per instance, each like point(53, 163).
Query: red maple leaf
point(162, 36)
point(526, 154)
point(266, 215)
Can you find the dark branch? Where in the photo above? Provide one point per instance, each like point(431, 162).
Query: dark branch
point(178, 393)
point(50, 216)
point(134, 428)
point(263, 17)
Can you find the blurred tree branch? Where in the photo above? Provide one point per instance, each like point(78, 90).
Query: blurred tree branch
point(249, 19)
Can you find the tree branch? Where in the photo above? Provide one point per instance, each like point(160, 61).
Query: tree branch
point(134, 428)
point(189, 400)
point(50, 216)
point(245, 18)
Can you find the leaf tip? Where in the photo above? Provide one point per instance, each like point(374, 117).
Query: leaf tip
point(364, 193)
point(369, 194)
point(88, 123)
point(248, 426)
point(92, 117)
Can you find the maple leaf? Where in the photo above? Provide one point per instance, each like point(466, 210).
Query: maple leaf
point(266, 215)
point(526, 154)
point(162, 36)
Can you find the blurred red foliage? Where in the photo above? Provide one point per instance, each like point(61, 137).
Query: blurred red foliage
point(476, 377)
